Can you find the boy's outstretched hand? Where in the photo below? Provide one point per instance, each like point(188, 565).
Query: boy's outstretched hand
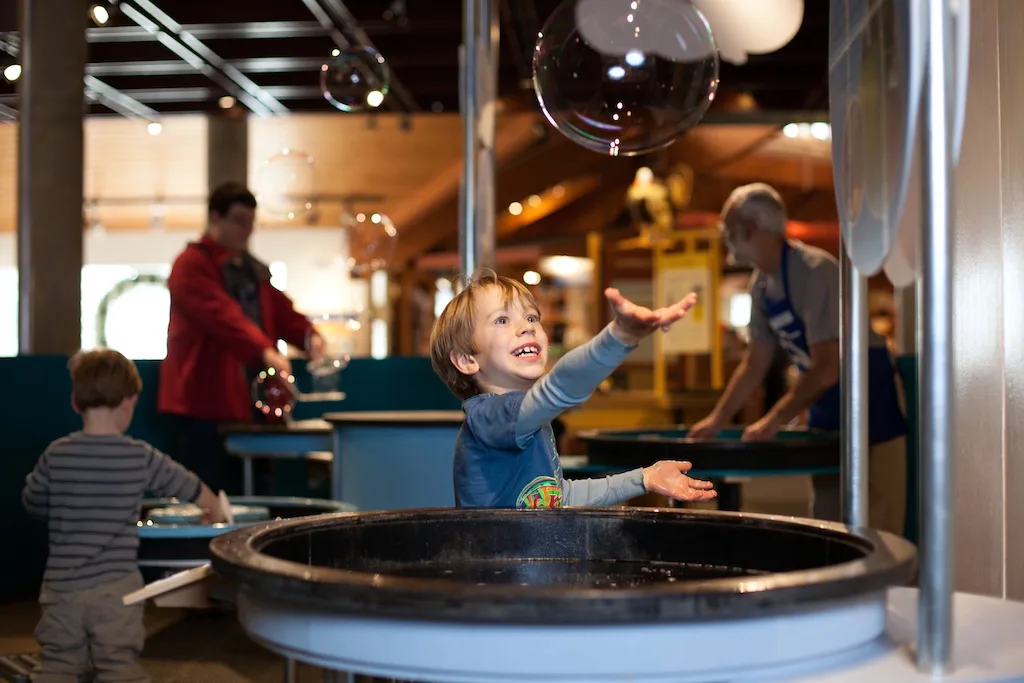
point(632, 322)
point(666, 477)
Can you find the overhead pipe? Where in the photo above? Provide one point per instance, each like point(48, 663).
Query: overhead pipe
point(95, 89)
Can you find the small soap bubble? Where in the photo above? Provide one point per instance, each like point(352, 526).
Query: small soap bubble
point(625, 77)
point(371, 241)
point(274, 393)
point(325, 373)
point(356, 79)
point(286, 184)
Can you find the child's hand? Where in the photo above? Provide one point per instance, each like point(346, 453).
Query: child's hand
point(216, 513)
point(632, 323)
point(210, 503)
point(666, 477)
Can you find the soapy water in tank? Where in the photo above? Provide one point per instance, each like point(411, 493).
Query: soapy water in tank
point(598, 574)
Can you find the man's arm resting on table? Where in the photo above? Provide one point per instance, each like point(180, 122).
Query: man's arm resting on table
point(823, 374)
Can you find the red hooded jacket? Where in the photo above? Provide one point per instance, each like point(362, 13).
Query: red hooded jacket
point(211, 341)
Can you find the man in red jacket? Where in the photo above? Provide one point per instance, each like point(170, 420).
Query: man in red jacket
point(225, 321)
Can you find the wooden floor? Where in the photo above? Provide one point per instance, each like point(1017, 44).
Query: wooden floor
point(181, 647)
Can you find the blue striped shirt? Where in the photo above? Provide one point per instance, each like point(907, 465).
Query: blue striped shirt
point(89, 488)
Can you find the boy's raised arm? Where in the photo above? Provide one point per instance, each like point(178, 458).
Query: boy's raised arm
point(571, 381)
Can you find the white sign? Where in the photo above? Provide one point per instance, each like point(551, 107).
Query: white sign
point(677, 277)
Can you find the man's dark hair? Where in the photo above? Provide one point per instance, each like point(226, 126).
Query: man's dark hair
point(226, 194)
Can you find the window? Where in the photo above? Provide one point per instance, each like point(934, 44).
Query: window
point(8, 311)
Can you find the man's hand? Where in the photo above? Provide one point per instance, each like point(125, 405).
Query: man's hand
point(666, 478)
point(764, 429)
point(632, 322)
point(315, 346)
point(707, 428)
point(272, 358)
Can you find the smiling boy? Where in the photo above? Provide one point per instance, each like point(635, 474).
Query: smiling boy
point(491, 350)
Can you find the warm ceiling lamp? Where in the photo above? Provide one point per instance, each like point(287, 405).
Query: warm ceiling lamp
point(101, 12)
point(743, 27)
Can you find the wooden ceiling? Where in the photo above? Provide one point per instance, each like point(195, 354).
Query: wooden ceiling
point(136, 181)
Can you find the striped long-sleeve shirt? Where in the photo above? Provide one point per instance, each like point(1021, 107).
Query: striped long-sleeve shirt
point(89, 488)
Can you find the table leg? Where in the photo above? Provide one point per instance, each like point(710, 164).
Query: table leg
point(289, 671)
point(247, 476)
point(729, 496)
point(336, 464)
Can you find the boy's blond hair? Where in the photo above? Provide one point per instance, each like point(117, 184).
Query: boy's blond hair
point(453, 331)
point(102, 378)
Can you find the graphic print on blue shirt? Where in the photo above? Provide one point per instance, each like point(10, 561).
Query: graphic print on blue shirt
point(494, 470)
point(542, 492)
point(885, 417)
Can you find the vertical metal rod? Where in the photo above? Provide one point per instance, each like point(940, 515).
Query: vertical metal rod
point(935, 636)
point(853, 361)
point(470, 108)
point(489, 27)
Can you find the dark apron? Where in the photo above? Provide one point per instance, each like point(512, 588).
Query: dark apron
point(886, 420)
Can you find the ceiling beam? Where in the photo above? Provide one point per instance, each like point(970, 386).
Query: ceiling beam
point(593, 211)
point(525, 99)
point(193, 51)
point(94, 89)
point(254, 65)
point(264, 30)
point(514, 134)
point(809, 206)
point(549, 202)
point(532, 172)
point(798, 172)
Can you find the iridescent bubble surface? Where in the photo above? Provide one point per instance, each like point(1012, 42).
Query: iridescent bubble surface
point(356, 79)
point(625, 77)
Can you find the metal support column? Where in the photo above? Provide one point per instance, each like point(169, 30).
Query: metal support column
point(51, 144)
point(479, 87)
point(935, 289)
point(853, 361)
point(227, 148)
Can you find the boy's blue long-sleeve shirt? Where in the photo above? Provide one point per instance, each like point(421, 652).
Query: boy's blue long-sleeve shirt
point(505, 454)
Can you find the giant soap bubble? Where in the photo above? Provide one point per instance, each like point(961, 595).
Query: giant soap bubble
point(625, 77)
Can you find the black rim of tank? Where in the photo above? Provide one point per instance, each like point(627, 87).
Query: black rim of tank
point(802, 449)
point(884, 560)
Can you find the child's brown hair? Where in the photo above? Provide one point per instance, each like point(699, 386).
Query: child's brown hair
point(102, 378)
point(453, 331)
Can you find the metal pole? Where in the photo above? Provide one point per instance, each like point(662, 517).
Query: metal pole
point(853, 360)
point(467, 195)
point(479, 86)
point(489, 28)
point(934, 647)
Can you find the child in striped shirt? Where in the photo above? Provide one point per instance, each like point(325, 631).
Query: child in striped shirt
point(88, 486)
